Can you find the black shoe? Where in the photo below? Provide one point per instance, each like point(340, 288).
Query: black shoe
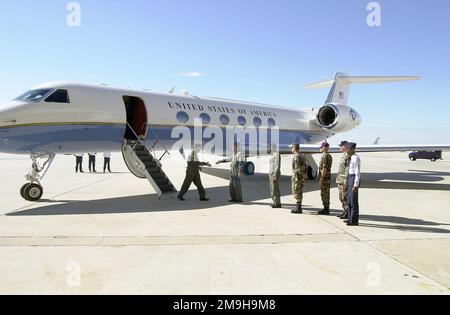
point(276, 207)
point(297, 210)
point(325, 211)
point(181, 198)
point(204, 199)
point(344, 216)
point(232, 201)
point(352, 224)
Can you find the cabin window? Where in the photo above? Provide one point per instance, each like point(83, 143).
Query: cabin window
point(182, 117)
point(33, 95)
point(205, 119)
point(59, 96)
point(242, 121)
point(224, 120)
point(257, 122)
point(271, 122)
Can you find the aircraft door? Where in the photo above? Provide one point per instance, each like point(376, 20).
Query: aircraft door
point(137, 119)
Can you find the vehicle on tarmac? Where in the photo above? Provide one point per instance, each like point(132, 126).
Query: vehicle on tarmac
point(425, 155)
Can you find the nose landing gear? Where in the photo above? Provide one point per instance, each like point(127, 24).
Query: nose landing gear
point(33, 190)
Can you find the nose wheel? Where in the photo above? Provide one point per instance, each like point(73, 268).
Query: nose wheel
point(33, 191)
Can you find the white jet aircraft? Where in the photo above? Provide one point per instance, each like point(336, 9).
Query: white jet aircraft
point(66, 118)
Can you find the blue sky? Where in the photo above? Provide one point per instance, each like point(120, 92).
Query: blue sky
point(255, 50)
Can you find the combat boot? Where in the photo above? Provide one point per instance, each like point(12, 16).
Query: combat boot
point(297, 210)
point(344, 216)
point(325, 211)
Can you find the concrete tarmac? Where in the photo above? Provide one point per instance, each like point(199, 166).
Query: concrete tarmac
point(110, 234)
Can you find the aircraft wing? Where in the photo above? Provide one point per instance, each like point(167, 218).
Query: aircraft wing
point(373, 148)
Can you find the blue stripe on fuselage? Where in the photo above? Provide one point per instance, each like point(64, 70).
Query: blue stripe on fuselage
point(79, 138)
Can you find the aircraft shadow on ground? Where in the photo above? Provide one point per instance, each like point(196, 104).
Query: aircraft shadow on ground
point(255, 191)
point(403, 224)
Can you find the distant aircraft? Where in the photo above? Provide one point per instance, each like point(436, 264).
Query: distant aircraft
point(67, 118)
point(377, 141)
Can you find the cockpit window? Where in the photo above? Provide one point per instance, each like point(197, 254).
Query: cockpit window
point(59, 96)
point(33, 95)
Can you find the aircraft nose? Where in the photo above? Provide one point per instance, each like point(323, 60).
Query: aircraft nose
point(7, 115)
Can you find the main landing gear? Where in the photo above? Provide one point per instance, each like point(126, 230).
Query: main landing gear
point(33, 190)
point(249, 169)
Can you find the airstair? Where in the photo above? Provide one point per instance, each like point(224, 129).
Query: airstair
point(143, 164)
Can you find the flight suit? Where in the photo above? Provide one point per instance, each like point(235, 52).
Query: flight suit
point(325, 178)
point(237, 167)
point(274, 178)
point(299, 168)
point(193, 176)
point(341, 181)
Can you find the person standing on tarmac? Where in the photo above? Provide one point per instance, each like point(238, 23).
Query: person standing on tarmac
point(354, 184)
point(107, 162)
point(342, 178)
point(193, 175)
point(79, 162)
point(237, 172)
point(299, 169)
point(326, 163)
point(274, 176)
point(92, 162)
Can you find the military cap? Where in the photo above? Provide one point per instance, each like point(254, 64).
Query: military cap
point(343, 143)
point(351, 145)
point(325, 145)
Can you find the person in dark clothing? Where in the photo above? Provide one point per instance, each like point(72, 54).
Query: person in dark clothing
point(354, 184)
point(92, 161)
point(107, 162)
point(79, 163)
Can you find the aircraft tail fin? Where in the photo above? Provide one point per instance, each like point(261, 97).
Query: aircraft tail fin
point(340, 86)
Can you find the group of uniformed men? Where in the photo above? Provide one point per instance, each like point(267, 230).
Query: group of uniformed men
point(348, 178)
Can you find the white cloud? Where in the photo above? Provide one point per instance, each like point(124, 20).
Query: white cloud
point(193, 74)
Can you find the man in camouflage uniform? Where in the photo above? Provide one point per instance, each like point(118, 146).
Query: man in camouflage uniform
point(299, 168)
point(342, 179)
point(325, 178)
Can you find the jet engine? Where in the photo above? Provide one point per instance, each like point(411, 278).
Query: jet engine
point(337, 118)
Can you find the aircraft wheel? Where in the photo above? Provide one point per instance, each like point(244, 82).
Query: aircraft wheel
point(249, 169)
point(433, 160)
point(413, 159)
point(312, 174)
point(33, 192)
point(22, 190)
